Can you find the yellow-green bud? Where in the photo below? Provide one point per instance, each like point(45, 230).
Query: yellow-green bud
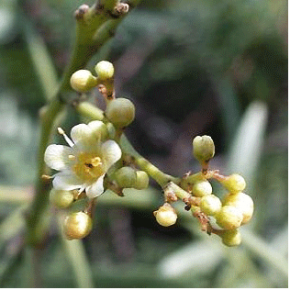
point(121, 112)
point(231, 238)
point(61, 198)
point(142, 180)
point(203, 148)
point(210, 205)
point(201, 188)
point(82, 81)
point(243, 202)
point(166, 215)
point(234, 183)
point(229, 217)
point(126, 177)
point(77, 225)
point(104, 70)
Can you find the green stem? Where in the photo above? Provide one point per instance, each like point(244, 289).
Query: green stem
point(160, 177)
point(107, 4)
point(32, 267)
point(179, 192)
point(35, 222)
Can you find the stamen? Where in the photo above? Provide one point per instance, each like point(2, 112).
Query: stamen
point(96, 161)
point(71, 157)
point(66, 138)
point(47, 177)
point(60, 131)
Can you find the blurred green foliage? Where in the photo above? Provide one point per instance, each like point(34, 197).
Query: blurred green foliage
point(191, 67)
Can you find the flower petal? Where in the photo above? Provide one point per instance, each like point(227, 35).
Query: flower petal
point(57, 156)
point(81, 135)
point(66, 180)
point(99, 129)
point(96, 188)
point(110, 153)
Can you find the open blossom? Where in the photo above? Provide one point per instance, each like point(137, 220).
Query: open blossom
point(85, 162)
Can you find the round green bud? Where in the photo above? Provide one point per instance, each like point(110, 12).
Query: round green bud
point(142, 180)
point(121, 112)
point(234, 183)
point(229, 217)
point(166, 215)
point(210, 205)
point(126, 177)
point(77, 225)
point(231, 238)
point(82, 81)
point(201, 188)
point(203, 148)
point(104, 70)
point(243, 202)
point(61, 198)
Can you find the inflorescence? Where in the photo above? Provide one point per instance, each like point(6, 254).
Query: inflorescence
point(94, 161)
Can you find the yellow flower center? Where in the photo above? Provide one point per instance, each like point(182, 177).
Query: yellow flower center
point(88, 167)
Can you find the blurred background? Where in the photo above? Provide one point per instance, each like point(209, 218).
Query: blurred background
point(211, 67)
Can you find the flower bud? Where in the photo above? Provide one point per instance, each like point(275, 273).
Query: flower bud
point(229, 217)
point(210, 205)
point(126, 177)
point(104, 70)
point(121, 112)
point(77, 225)
point(61, 198)
point(243, 202)
point(83, 81)
point(234, 183)
point(166, 215)
point(142, 180)
point(231, 238)
point(203, 148)
point(201, 188)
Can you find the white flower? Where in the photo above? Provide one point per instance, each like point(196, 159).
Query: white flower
point(84, 164)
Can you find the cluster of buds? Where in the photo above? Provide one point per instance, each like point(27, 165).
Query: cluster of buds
point(77, 225)
point(218, 216)
point(128, 177)
point(83, 80)
point(121, 111)
point(94, 162)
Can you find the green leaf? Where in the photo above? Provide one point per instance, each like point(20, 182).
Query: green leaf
point(247, 144)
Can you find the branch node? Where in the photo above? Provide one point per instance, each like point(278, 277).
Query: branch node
point(81, 11)
point(120, 9)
